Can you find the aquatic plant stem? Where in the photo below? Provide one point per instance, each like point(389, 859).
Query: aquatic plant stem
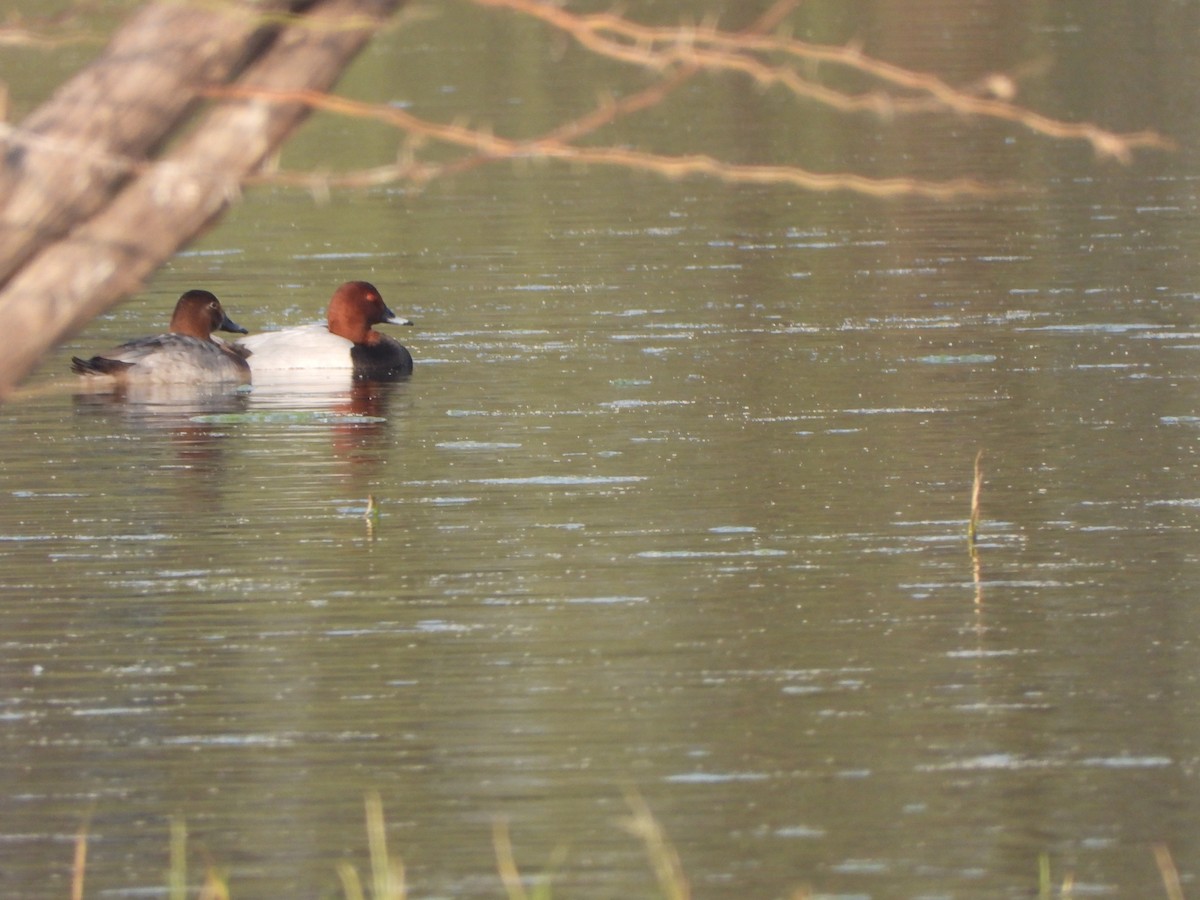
point(976, 490)
point(506, 863)
point(351, 886)
point(1168, 871)
point(663, 856)
point(371, 516)
point(80, 862)
point(973, 530)
point(177, 876)
point(387, 876)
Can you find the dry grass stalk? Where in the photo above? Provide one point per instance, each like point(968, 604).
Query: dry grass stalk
point(79, 865)
point(973, 530)
point(1168, 871)
point(976, 490)
point(388, 874)
point(663, 856)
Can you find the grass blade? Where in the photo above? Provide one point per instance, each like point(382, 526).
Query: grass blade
point(506, 863)
point(663, 857)
point(177, 877)
point(387, 877)
point(351, 886)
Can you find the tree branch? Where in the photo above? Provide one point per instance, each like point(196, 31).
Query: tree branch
point(490, 147)
point(659, 49)
point(58, 167)
point(167, 203)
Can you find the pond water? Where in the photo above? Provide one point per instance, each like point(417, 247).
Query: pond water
point(675, 503)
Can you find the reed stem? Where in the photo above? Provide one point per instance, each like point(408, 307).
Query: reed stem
point(976, 490)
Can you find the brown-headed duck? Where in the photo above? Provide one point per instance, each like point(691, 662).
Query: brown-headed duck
point(344, 342)
point(186, 354)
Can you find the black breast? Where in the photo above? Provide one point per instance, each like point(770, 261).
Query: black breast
point(383, 361)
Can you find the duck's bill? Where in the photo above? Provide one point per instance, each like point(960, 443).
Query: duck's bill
point(393, 319)
point(227, 324)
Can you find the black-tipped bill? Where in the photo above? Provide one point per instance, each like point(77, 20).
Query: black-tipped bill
point(227, 324)
point(393, 319)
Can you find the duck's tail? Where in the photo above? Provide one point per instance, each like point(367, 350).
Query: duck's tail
point(98, 365)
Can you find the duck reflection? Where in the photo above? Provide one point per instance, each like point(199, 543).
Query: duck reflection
point(198, 421)
point(356, 410)
point(188, 417)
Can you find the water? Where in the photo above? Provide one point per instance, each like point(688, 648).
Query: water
point(675, 503)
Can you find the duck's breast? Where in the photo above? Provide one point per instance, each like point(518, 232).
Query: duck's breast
point(381, 360)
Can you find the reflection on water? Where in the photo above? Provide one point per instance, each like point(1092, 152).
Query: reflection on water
point(676, 498)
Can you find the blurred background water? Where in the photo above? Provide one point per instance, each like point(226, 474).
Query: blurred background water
point(675, 500)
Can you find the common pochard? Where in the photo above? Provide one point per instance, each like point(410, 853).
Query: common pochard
point(186, 354)
point(344, 342)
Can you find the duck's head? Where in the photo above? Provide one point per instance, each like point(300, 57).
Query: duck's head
point(199, 313)
point(355, 307)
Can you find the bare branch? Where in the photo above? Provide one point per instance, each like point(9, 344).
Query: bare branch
point(491, 147)
point(677, 55)
point(658, 49)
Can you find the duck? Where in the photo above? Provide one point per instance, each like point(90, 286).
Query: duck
point(186, 354)
point(345, 342)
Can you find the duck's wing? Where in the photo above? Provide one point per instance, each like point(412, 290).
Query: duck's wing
point(119, 360)
point(167, 358)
